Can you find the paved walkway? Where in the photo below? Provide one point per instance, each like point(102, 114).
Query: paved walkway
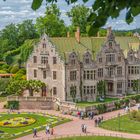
point(74, 127)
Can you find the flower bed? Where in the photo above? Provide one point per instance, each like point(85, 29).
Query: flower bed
point(17, 122)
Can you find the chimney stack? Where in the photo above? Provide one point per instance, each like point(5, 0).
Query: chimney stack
point(68, 34)
point(109, 30)
point(77, 35)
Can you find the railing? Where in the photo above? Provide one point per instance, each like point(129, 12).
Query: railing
point(82, 134)
point(18, 98)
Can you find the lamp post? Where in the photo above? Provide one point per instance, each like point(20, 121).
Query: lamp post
point(119, 121)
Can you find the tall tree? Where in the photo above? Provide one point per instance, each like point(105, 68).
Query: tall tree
point(26, 30)
point(51, 22)
point(103, 9)
point(79, 15)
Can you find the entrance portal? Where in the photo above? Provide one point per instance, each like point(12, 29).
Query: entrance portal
point(110, 86)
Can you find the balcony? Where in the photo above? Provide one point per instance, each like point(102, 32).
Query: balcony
point(111, 63)
point(44, 66)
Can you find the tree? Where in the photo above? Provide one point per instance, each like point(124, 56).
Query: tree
point(26, 30)
point(101, 88)
point(79, 15)
point(51, 22)
point(73, 92)
point(16, 87)
point(34, 86)
point(102, 10)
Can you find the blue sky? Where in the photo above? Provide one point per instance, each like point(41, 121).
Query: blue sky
point(15, 11)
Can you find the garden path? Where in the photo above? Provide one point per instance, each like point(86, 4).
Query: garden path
point(74, 127)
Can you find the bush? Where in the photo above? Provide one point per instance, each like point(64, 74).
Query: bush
point(3, 72)
point(135, 115)
point(14, 69)
point(13, 104)
point(101, 108)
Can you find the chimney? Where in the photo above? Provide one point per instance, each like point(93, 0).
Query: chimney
point(77, 35)
point(68, 34)
point(109, 30)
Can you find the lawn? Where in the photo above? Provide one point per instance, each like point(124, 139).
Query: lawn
point(126, 125)
point(94, 138)
point(85, 104)
point(40, 122)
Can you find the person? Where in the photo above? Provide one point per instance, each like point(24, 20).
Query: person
point(78, 114)
point(82, 115)
point(47, 129)
point(34, 132)
point(138, 106)
point(89, 115)
point(126, 109)
point(52, 131)
point(85, 129)
point(92, 115)
point(102, 118)
point(82, 127)
point(96, 122)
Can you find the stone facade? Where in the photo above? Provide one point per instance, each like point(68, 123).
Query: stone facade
point(75, 78)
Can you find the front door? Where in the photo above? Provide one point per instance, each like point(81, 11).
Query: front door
point(110, 86)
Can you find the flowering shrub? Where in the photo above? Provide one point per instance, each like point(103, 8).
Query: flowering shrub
point(17, 122)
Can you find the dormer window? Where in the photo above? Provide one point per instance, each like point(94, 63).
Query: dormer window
point(73, 61)
point(100, 60)
point(87, 60)
point(44, 45)
point(131, 57)
point(110, 44)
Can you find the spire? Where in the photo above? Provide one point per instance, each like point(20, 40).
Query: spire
point(110, 35)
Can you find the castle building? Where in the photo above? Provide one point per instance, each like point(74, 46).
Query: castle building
point(75, 78)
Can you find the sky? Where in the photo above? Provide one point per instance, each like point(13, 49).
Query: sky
point(15, 11)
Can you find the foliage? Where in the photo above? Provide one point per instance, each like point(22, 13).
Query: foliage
point(16, 87)
point(14, 69)
point(78, 15)
point(34, 86)
point(13, 36)
point(101, 108)
point(8, 56)
point(13, 104)
point(73, 93)
point(136, 85)
point(3, 72)
point(27, 48)
point(102, 10)
point(3, 84)
point(51, 22)
point(101, 88)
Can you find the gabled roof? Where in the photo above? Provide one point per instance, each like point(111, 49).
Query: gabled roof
point(66, 45)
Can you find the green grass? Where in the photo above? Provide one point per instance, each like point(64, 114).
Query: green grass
point(86, 104)
point(40, 121)
point(126, 125)
point(94, 138)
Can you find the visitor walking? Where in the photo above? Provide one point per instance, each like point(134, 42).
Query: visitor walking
point(82, 115)
point(34, 132)
point(82, 128)
point(85, 129)
point(47, 129)
point(52, 131)
point(92, 115)
point(138, 106)
point(96, 122)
